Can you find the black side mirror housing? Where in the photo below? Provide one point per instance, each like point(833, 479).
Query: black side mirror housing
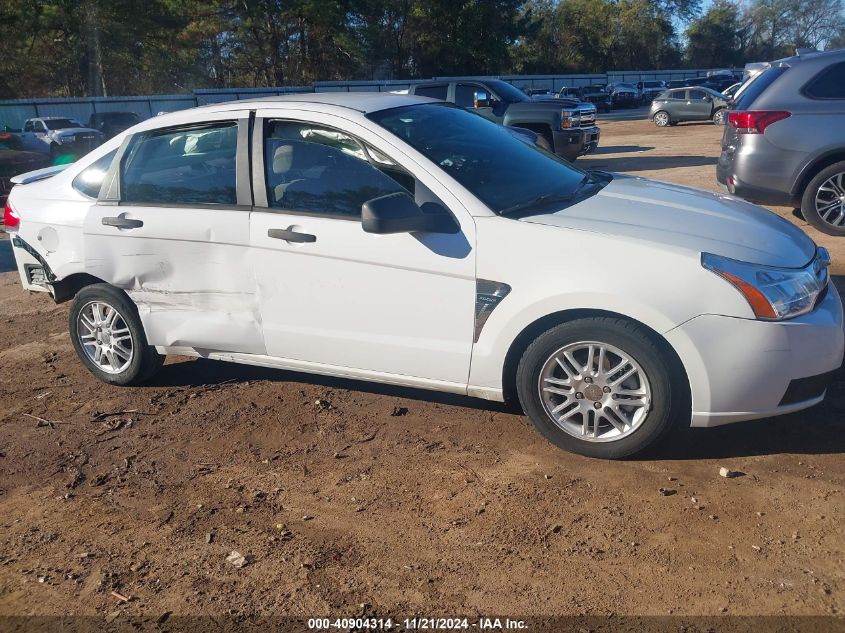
point(398, 213)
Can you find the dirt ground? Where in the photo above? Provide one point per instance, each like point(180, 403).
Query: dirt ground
point(349, 498)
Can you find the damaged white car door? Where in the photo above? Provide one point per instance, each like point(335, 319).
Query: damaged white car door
point(396, 306)
point(171, 228)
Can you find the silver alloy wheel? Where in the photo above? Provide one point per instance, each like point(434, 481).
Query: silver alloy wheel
point(594, 391)
point(104, 335)
point(830, 200)
point(661, 119)
point(719, 117)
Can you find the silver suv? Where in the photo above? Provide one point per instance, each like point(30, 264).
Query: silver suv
point(784, 143)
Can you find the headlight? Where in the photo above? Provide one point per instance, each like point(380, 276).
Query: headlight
point(568, 118)
point(774, 293)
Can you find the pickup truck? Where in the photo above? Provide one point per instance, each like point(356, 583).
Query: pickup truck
point(568, 126)
point(58, 136)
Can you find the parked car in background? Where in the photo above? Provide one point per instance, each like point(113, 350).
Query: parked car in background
point(14, 160)
point(785, 139)
point(623, 95)
point(689, 104)
point(595, 94)
point(112, 123)
point(730, 91)
point(537, 92)
point(650, 89)
point(59, 136)
point(683, 83)
point(395, 239)
point(567, 126)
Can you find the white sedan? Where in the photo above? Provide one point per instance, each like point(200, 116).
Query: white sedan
point(402, 240)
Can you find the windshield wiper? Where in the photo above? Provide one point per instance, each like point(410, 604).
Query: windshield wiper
point(550, 198)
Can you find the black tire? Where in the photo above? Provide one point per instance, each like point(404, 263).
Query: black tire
point(666, 411)
point(808, 201)
point(144, 361)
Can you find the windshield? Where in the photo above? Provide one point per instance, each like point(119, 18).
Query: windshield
point(499, 169)
point(507, 92)
point(61, 124)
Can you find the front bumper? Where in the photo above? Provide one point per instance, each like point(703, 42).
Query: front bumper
point(575, 142)
point(742, 369)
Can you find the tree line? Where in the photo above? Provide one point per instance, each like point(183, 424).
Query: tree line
point(125, 47)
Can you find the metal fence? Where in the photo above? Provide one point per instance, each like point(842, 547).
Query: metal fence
point(14, 112)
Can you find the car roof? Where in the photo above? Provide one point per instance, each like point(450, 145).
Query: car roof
point(364, 102)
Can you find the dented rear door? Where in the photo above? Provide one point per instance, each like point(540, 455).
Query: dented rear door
point(171, 227)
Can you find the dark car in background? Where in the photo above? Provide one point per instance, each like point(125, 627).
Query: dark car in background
point(785, 139)
point(695, 103)
point(595, 94)
point(623, 95)
point(112, 123)
point(14, 160)
point(683, 83)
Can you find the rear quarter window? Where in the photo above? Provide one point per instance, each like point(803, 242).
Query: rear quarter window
point(89, 180)
point(828, 84)
point(435, 92)
point(757, 86)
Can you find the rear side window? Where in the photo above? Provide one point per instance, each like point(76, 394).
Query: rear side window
point(435, 92)
point(828, 84)
point(756, 86)
point(88, 181)
point(184, 166)
point(314, 169)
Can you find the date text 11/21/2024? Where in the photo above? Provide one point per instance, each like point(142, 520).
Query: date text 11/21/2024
point(417, 624)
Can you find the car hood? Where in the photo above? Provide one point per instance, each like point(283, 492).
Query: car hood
point(687, 218)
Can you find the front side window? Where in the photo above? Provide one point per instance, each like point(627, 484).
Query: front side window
point(697, 94)
point(89, 180)
point(829, 84)
point(183, 166)
point(501, 170)
point(314, 169)
point(465, 94)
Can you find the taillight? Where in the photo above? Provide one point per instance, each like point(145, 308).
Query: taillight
point(11, 219)
point(755, 121)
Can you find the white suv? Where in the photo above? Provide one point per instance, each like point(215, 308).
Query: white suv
point(393, 238)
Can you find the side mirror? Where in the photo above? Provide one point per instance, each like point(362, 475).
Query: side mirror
point(482, 100)
point(398, 213)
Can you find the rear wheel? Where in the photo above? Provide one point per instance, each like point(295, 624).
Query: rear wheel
point(661, 118)
point(109, 338)
point(599, 387)
point(823, 202)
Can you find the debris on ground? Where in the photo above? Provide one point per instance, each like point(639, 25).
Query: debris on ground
point(237, 560)
point(666, 492)
point(399, 411)
point(730, 474)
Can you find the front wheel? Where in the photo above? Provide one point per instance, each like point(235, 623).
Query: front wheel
point(720, 117)
point(108, 336)
point(661, 118)
point(600, 387)
point(823, 202)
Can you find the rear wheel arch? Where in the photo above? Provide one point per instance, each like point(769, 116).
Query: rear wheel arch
point(812, 169)
point(66, 288)
point(528, 334)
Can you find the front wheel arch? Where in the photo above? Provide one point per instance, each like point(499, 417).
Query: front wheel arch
point(546, 323)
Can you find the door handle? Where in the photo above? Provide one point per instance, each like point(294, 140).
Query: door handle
point(122, 223)
point(291, 236)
